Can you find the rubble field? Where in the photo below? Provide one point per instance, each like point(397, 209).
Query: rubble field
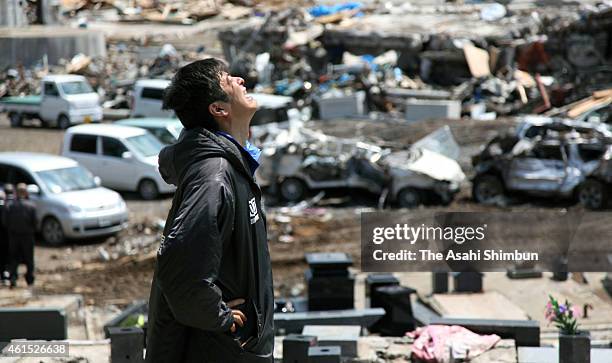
point(118, 270)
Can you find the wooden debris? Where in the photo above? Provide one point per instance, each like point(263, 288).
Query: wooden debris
point(477, 60)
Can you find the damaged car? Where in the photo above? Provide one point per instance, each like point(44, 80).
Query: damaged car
point(300, 160)
point(561, 163)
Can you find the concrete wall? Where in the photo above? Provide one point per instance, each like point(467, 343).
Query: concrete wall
point(28, 46)
point(12, 14)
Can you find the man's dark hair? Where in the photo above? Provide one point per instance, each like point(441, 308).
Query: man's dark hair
point(194, 87)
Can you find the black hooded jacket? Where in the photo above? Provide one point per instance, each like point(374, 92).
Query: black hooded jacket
point(213, 250)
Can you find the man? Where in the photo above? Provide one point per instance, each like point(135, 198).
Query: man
point(211, 296)
point(20, 221)
point(4, 251)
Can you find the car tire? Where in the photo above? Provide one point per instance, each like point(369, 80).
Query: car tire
point(52, 231)
point(16, 119)
point(293, 189)
point(147, 189)
point(63, 122)
point(409, 198)
point(592, 194)
point(487, 188)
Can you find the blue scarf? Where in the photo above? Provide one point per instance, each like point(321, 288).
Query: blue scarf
point(252, 152)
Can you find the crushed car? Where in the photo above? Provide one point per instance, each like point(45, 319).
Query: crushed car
point(560, 160)
point(297, 160)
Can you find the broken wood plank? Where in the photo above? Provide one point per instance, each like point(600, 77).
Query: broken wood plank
point(477, 60)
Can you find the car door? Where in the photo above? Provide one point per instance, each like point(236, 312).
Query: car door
point(52, 103)
point(118, 167)
point(151, 102)
point(539, 170)
point(84, 149)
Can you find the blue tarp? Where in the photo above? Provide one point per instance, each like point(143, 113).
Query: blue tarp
point(322, 10)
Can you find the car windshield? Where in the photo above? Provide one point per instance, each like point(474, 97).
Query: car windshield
point(76, 87)
point(146, 144)
point(67, 180)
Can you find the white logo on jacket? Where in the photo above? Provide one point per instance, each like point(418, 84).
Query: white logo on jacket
point(253, 211)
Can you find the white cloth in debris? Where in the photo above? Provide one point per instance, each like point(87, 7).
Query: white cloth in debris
point(444, 343)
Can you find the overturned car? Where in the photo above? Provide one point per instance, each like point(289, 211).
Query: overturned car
point(561, 161)
point(298, 160)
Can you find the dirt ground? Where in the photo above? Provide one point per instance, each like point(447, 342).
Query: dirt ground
point(118, 270)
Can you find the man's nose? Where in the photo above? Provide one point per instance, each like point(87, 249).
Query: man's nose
point(239, 80)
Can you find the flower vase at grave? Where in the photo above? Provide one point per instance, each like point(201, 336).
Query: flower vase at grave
point(575, 348)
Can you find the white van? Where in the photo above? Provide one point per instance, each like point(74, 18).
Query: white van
point(147, 98)
point(124, 157)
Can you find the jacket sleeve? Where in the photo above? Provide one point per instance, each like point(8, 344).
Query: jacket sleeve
point(188, 262)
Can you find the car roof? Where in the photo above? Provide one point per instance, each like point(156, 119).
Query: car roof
point(154, 83)
point(160, 122)
point(63, 78)
point(118, 131)
point(34, 162)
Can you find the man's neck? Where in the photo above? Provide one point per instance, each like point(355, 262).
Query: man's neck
point(238, 134)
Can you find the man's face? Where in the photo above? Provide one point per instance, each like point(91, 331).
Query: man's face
point(242, 106)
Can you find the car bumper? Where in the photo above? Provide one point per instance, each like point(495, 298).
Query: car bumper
point(95, 224)
point(86, 115)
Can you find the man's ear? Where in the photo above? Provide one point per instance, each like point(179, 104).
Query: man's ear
point(218, 109)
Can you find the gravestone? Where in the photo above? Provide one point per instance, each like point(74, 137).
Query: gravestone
point(295, 348)
point(343, 336)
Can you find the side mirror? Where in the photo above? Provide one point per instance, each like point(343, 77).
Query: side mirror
point(97, 181)
point(33, 189)
point(126, 155)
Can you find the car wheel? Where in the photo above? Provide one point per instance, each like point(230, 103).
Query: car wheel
point(52, 231)
point(409, 198)
point(592, 194)
point(16, 119)
point(487, 188)
point(63, 122)
point(292, 189)
point(148, 189)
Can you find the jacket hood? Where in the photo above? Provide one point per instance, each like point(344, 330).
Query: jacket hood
point(195, 145)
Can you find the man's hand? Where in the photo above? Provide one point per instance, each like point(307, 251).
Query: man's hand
point(239, 317)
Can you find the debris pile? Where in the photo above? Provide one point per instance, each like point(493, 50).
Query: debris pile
point(510, 59)
point(351, 59)
point(112, 77)
point(141, 239)
point(169, 12)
